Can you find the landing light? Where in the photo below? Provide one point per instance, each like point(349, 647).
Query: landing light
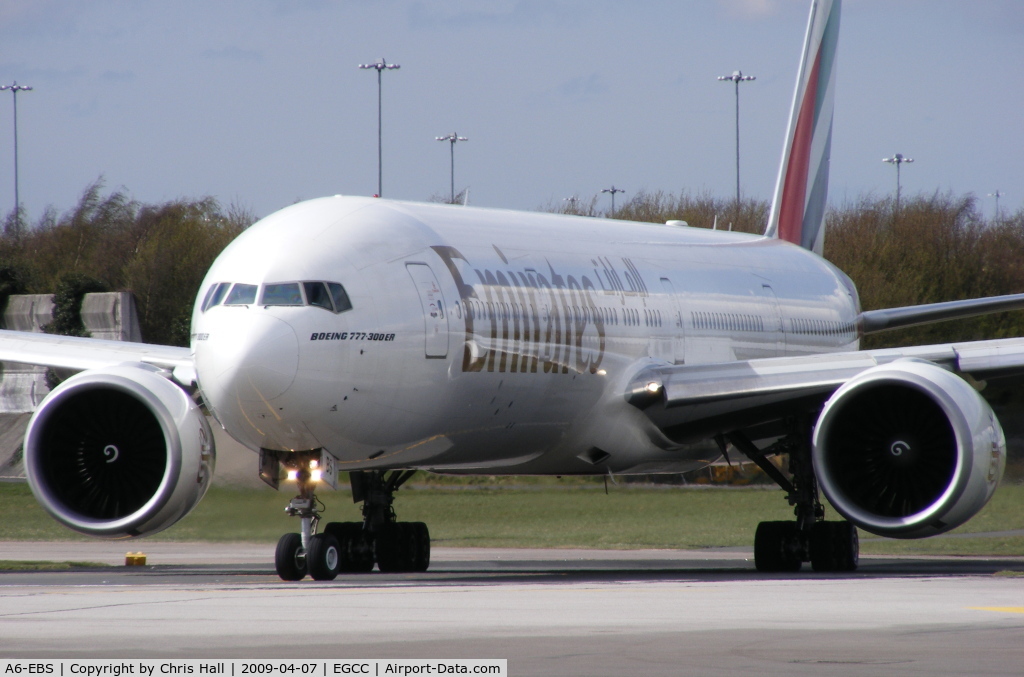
point(653, 387)
point(314, 475)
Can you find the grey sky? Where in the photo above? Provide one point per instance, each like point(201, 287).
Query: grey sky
point(261, 103)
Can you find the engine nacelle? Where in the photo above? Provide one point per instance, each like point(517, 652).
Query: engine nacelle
point(119, 451)
point(908, 450)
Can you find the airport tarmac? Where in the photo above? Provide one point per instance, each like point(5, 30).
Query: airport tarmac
point(549, 612)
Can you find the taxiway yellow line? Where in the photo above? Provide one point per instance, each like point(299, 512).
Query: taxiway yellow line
point(1002, 609)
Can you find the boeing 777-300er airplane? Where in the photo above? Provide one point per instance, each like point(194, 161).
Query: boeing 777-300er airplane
point(380, 337)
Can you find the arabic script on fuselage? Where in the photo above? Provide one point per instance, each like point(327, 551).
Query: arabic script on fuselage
point(529, 320)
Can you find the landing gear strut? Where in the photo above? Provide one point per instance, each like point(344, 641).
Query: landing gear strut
point(351, 547)
point(319, 555)
point(785, 546)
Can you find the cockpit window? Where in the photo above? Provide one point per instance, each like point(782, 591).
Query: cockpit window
point(317, 295)
point(341, 302)
point(215, 295)
point(282, 294)
point(327, 295)
point(241, 295)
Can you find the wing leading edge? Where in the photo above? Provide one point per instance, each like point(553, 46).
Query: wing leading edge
point(67, 352)
point(895, 318)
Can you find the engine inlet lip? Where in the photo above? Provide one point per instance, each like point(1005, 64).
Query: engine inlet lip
point(908, 376)
point(78, 384)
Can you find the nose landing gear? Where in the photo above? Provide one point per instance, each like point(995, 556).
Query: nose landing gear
point(351, 547)
point(319, 555)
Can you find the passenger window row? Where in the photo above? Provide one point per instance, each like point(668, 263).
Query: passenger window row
point(588, 314)
point(327, 295)
point(820, 327)
point(727, 321)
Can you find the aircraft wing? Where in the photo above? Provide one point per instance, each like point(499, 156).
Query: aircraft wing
point(896, 318)
point(69, 352)
point(694, 401)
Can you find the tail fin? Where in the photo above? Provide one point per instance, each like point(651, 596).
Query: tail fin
point(798, 210)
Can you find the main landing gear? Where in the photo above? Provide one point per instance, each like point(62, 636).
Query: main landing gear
point(785, 546)
point(352, 547)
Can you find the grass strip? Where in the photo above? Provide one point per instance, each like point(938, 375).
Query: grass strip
point(514, 518)
point(544, 516)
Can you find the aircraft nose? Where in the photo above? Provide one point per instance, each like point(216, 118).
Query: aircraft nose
point(253, 357)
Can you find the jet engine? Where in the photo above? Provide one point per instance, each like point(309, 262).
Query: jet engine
point(908, 450)
point(119, 451)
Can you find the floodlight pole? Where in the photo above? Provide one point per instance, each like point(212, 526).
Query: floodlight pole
point(897, 160)
point(15, 88)
point(613, 190)
point(998, 194)
point(737, 77)
point(380, 67)
point(453, 138)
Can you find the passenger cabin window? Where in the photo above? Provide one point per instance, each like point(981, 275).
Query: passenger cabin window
point(241, 295)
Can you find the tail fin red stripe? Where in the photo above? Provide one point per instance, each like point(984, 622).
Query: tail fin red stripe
point(794, 193)
point(802, 187)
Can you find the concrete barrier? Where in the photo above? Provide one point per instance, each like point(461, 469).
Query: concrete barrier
point(22, 386)
point(28, 312)
point(111, 316)
point(12, 432)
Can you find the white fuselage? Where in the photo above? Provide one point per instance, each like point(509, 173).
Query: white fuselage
point(492, 341)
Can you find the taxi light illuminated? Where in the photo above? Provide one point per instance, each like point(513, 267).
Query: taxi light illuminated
point(653, 387)
point(315, 475)
point(293, 474)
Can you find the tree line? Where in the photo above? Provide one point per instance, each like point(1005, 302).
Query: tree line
point(110, 242)
point(935, 248)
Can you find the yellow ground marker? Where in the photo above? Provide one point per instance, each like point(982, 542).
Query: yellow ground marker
point(134, 559)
